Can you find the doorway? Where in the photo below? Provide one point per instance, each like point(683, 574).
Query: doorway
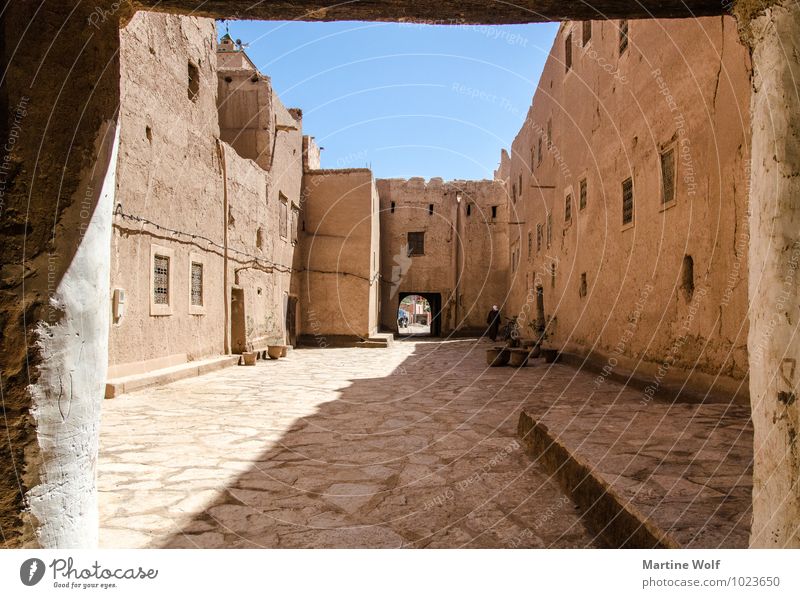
point(291, 320)
point(419, 314)
point(238, 328)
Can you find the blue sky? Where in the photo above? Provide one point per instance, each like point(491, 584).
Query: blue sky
point(405, 99)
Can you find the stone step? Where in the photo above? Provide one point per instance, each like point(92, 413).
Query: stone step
point(379, 340)
point(190, 369)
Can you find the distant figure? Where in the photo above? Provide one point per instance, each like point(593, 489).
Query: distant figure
point(493, 320)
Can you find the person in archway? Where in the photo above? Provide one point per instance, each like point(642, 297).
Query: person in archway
point(493, 320)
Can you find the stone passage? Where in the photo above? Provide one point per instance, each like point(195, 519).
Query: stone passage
point(412, 446)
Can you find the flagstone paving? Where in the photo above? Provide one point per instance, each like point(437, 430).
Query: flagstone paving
point(410, 446)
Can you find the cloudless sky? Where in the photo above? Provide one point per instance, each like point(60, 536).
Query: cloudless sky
point(404, 99)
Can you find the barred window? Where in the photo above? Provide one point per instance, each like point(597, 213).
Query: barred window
point(623, 36)
point(627, 201)
point(197, 284)
point(161, 280)
point(667, 176)
point(568, 208)
point(583, 193)
point(416, 243)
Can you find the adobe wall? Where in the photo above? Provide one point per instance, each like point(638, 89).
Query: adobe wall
point(169, 173)
point(611, 116)
point(338, 270)
point(479, 260)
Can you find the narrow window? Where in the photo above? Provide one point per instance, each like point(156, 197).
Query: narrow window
point(623, 36)
point(538, 237)
point(549, 229)
point(392, 208)
point(260, 238)
point(430, 209)
point(549, 133)
point(514, 192)
point(494, 212)
point(161, 280)
point(587, 32)
point(568, 53)
point(530, 243)
point(194, 81)
point(519, 186)
point(667, 176)
point(539, 152)
point(197, 284)
point(553, 274)
point(583, 193)
point(582, 289)
point(284, 216)
point(416, 243)
point(688, 277)
point(568, 208)
point(295, 219)
point(532, 158)
point(469, 209)
point(627, 201)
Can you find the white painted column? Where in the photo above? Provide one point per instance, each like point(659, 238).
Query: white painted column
point(774, 272)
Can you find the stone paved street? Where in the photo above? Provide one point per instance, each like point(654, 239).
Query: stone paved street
point(411, 446)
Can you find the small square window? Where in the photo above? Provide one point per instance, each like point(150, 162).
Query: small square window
point(416, 243)
point(627, 201)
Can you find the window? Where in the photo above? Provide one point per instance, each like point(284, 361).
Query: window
point(549, 229)
point(568, 208)
point(392, 208)
point(532, 158)
point(494, 212)
point(283, 217)
point(197, 284)
point(549, 133)
point(688, 277)
point(162, 270)
point(538, 237)
point(568, 53)
point(582, 288)
point(430, 209)
point(519, 186)
point(193, 89)
point(295, 219)
point(161, 280)
point(539, 152)
point(586, 32)
point(668, 176)
point(416, 243)
point(582, 194)
point(553, 274)
point(530, 243)
point(514, 192)
point(627, 201)
point(623, 36)
point(469, 209)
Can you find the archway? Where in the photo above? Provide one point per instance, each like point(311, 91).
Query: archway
point(423, 311)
